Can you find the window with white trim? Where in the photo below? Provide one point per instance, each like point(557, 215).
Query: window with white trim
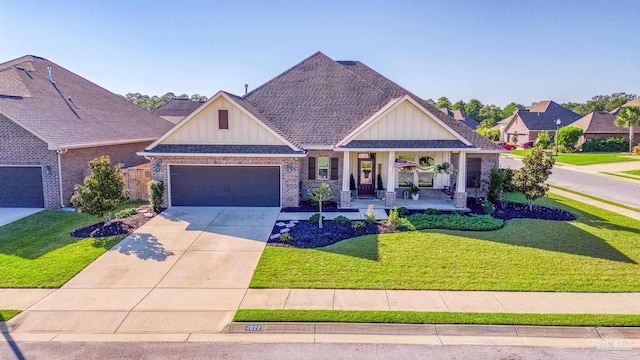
point(323, 168)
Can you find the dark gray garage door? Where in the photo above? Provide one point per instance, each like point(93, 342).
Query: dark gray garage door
point(225, 185)
point(21, 187)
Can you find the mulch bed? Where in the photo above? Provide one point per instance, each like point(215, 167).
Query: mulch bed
point(513, 210)
point(118, 226)
point(326, 207)
point(307, 235)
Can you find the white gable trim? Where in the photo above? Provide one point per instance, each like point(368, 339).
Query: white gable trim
point(388, 108)
point(50, 145)
point(236, 104)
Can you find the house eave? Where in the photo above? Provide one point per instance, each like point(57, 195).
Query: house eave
point(161, 154)
point(106, 143)
point(409, 149)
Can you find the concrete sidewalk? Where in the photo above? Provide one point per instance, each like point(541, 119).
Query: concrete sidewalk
point(446, 301)
point(600, 204)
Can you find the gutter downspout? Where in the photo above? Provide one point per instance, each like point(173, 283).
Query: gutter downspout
point(60, 152)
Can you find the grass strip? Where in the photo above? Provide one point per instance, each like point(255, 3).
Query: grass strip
point(5, 315)
point(622, 175)
point(633, 172)
point(596, 198)
point(583, 158)
point(420, 317)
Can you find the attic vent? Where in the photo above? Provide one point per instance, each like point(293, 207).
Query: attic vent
point(50, 76)
point(346, 62)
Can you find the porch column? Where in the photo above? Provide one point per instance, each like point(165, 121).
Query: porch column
point(390, 198)
point(345, 194)
point(460, 197)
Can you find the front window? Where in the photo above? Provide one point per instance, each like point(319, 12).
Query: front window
point(323, 168)
point(421, 173)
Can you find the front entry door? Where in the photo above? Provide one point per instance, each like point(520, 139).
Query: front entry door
point(366, 179)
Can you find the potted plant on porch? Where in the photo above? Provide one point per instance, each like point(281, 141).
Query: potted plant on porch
point(352, 187)
point(415, 191)
point(379, 188)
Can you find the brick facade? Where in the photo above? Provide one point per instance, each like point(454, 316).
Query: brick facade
point(336, 185)
point(289, 185)
point(20, 147)
point(74, 162)
point(487, 161)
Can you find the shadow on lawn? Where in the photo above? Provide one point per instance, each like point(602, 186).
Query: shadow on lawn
point(365, 247)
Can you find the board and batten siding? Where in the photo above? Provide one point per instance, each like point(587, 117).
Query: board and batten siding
point(406, 122)
point(203, 128)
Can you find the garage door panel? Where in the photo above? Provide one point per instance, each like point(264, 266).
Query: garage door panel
point(225, 186)
point(21, 187)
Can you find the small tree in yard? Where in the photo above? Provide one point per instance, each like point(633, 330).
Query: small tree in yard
point(568, 137)
point(103, 190)
point(496, 184)
point(155, 190)
point(543, 139)
point(629, 116)
point(320, 194)
point(529, 180)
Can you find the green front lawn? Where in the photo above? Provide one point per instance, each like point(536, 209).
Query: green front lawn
point(6, 315)
point(585, 158)
point(38, 251)
point(633, 172)
point(418, 317)
point(598, 252)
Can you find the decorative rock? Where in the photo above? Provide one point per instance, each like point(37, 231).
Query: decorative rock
point(280, 224)
point(149, 215)
point(290, 225)
point(293, 221)
point(285, 230)
point(142, 211)
point(274, 236)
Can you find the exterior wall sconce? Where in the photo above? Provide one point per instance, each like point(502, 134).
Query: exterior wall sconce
point(47, 170)
point(289, 168)
point(156, 166)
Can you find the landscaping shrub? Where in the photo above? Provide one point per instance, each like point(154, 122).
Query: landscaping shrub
point(370, 215)
point(103, 189)
point(636, 150)
point(608, 144)
point(531, 177)
point(507, 182)
point(393, 218)
point(496, 183)
point(125, 212)
point(286, 238)
point(543, 139)
point(568, 137)
point(488, 207)
point(453, 222)
point(341, 219)
point(315, 218)
point(357, 225)
point(320, 194)
point(403, 211)
point(432, 212)
point(155, 190)
point(491, 134)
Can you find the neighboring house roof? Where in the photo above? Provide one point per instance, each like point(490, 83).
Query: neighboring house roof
point(70, 111)
point(461, 116)
point(542, 115)
point(634, 102)
point(177, 107)
point(320, 101)
point(599, 122)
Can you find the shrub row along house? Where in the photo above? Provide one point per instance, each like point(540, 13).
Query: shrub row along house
point(320, 121)
point(52, 122)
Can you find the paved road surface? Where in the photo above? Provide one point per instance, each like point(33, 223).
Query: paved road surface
point(607, 187)
point(86, 351)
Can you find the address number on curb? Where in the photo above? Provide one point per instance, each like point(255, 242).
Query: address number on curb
point(253, 328)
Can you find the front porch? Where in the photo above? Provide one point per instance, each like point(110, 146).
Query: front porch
point(429, 199)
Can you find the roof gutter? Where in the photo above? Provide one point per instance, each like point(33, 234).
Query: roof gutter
point(147, 155)
point(121, 142)
point(410, 149)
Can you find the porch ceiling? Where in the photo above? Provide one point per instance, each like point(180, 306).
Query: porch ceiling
point(407, 144)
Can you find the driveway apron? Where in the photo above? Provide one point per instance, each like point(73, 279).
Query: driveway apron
point(185, 271)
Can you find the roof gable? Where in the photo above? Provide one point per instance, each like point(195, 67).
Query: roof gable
point(201, 127)
point(599, 122)
point(70, 111)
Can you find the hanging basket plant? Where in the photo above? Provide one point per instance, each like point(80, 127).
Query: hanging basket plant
point(445, 168)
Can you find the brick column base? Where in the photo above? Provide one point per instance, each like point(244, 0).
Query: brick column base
point(460, 200)
point(390, 199)
point(345, 199)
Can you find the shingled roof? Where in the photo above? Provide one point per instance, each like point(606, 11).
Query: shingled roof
point(461, 116)
point(319, 101)
point(71, 111)
point(599, 122)
point(177, 107)
point(542, 115)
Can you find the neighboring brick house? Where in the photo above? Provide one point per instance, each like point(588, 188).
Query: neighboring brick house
point(525, 125)
point(52, 122)
point(600, 124)
point(320, 121)
point(462, 117)
point(176, 109)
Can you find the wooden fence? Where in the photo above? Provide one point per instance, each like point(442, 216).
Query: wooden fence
point(136, 179)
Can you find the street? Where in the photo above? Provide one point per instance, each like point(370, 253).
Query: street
point(607, 187)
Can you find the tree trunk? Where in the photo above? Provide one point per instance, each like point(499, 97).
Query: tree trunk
point(631, 131)
point(530, 204)
point(320, 220)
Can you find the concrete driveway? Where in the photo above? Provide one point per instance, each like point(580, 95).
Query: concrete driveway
point(9, 215)
point(184, 271)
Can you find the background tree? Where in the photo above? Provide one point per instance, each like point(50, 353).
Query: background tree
point(443, 102)
point(568, 137)
point(510, 109)
point(103, 189)
point(150, 103)
point(320, 194)
point(491, 134)
point(459, 105)
point(472, 108)
point(629, 116)
point(543, 139)
point(601, 103)
point(490, 115)
point(529, 180)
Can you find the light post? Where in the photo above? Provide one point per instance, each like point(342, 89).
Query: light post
point(558, 122)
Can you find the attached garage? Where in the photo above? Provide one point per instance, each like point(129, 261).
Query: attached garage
point(224, 185)
point(21, 186)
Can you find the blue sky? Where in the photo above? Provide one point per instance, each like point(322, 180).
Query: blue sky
point(495, 51)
